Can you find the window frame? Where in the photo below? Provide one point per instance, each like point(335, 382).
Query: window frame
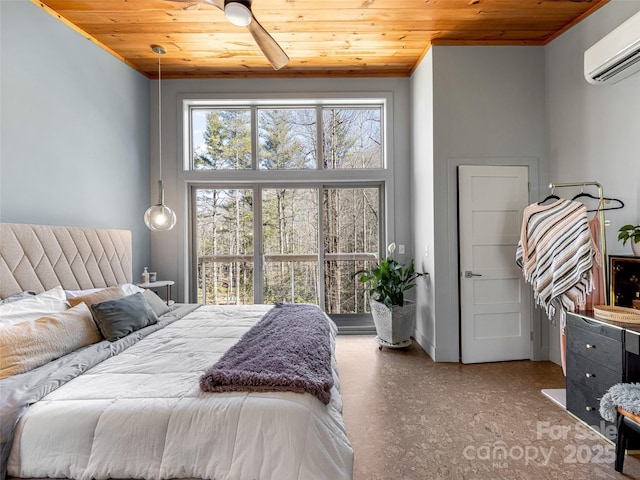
point(258, 230)
point(254, 105)
point(250, 178)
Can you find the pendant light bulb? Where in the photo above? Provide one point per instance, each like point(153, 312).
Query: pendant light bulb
point(159, 217)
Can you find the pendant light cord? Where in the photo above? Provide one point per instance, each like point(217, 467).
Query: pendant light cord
point(159, 217)
point(160, 114)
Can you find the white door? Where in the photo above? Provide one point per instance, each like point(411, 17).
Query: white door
point(495, 305)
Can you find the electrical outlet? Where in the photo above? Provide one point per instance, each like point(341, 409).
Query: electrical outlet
point(401, 249)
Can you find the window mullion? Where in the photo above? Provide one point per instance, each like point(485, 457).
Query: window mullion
point(258, 246)
point(193, 280)
point(321, 289)
point(254, 138)
point(190, 140)
point(383, 228)
point(320, 137)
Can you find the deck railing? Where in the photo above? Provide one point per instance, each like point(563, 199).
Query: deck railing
point(267, 258)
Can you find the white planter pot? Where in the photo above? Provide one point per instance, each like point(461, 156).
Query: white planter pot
point(394, 326)
point(635, 248)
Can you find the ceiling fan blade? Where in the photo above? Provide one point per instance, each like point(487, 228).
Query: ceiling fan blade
point(270, 48)
point(274, 53)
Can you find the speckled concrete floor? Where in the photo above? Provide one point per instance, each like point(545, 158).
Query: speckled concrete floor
point(410, 418)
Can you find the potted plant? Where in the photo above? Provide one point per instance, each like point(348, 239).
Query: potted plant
point(630, 232)
point(392, 314)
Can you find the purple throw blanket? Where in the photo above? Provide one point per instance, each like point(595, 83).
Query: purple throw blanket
point(289, 349)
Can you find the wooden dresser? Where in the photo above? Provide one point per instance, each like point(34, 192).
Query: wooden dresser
point(599, 355)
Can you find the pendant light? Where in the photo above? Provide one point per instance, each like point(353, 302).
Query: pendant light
point(159, 217)
point(238, 13)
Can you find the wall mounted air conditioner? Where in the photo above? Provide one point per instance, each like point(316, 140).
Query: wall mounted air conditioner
point(616, 56)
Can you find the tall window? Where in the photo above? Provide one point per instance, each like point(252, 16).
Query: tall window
point(287, 200)
point(224, 238)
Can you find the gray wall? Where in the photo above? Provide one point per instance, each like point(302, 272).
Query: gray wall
point(488, 109)
point(594, 131)
point(169, 249)
point(515, 105)
point(75, 130)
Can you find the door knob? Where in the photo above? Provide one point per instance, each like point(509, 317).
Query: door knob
point(470, 274)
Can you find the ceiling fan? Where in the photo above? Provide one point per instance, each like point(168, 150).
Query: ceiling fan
point(239, 13)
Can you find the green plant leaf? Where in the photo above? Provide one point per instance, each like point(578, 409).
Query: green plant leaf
point(627, 232)
point(388, 280)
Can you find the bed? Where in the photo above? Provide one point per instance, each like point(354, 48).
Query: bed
point(134, 407)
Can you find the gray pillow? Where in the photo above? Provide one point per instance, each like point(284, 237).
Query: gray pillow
point(118, 318)
point(157, 304)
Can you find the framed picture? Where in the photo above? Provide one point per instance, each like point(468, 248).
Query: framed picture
point(624, 274)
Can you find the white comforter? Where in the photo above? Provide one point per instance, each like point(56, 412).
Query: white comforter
point(141, 414)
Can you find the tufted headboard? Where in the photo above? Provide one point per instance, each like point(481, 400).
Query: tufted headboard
point(39, 257)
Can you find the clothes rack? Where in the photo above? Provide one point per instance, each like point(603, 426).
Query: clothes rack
point(603, 236)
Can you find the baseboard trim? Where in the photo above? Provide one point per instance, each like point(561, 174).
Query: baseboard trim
point(426, 345)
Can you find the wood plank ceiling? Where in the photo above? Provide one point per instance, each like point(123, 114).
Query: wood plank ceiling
point(328, 38)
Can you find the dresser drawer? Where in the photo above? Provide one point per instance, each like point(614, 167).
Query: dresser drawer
point(585, 405)
point(595, 347)
point(594, 326)
point(590, 374)
point(632, 342)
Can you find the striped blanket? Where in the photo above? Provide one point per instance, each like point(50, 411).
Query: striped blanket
point(556, 255)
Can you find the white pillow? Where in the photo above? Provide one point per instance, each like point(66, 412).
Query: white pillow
point(18, 296)
point(130, 288)
point(127, 288)
point(32, 308)
point(80, 293)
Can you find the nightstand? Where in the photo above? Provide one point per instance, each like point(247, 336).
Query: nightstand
point(159, 284)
